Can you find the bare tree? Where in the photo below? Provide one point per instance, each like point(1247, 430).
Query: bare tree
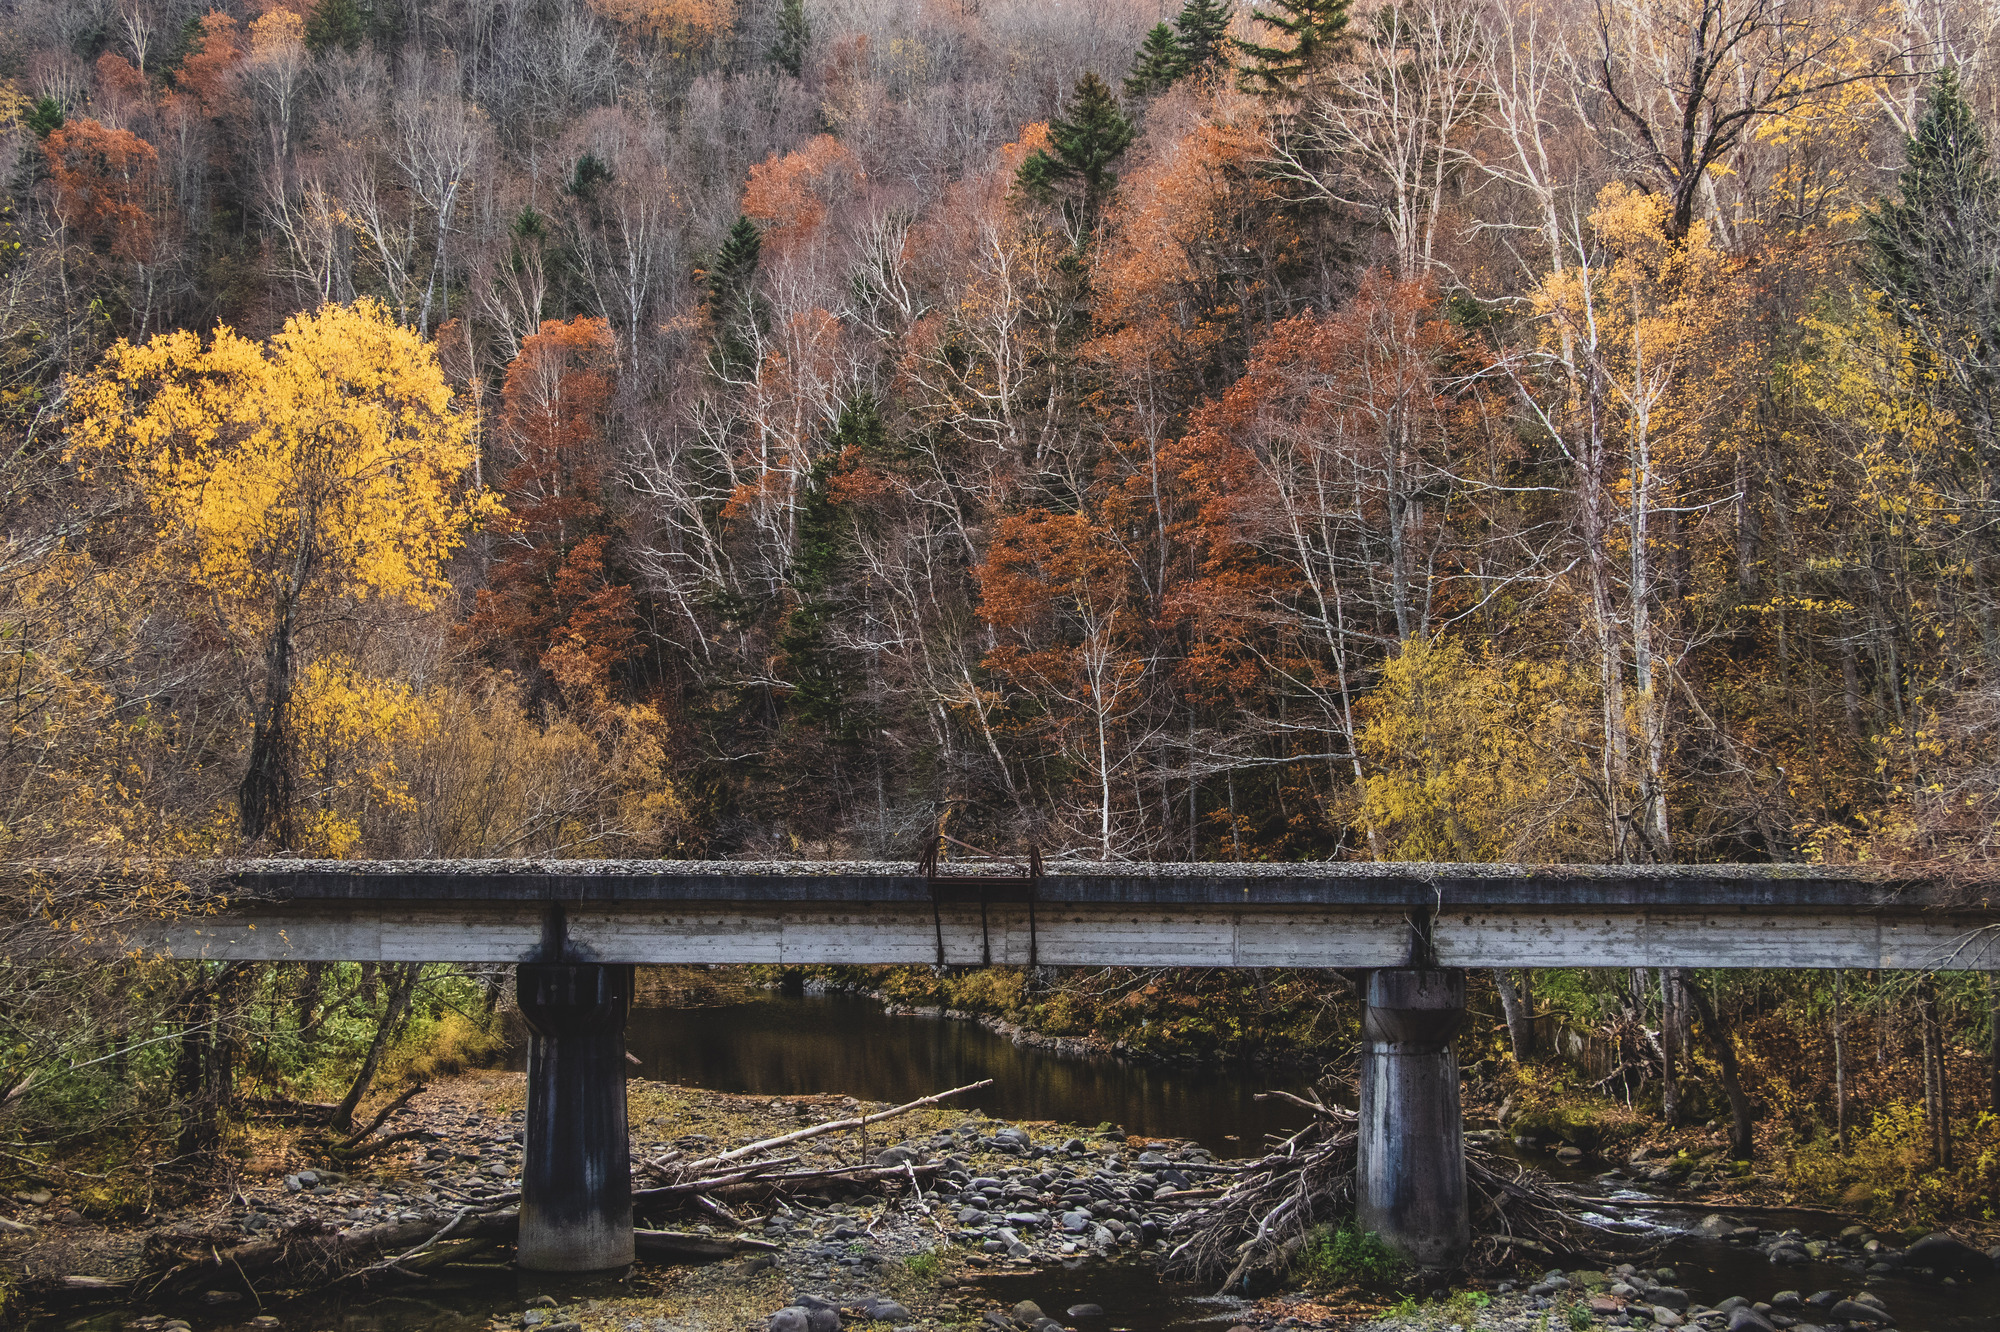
point(1385, 132)
point(1683, 81)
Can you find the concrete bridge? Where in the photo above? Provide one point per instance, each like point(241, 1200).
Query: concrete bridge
point(576, 927)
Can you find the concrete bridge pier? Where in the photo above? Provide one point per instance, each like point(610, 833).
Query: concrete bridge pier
point(1410, 1180)
point(576, 1182)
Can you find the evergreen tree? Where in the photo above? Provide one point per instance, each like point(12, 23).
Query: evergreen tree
point(1306, 34)
point(341, 23)
point(44, 118)
point(1935, 252)
point(1084, 142)
point(1202, 27)
point(1157, 65)
point(822, 675)
point(788, 51)
point(589, 173)
point(735, 314)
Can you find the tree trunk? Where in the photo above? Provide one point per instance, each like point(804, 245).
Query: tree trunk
point(400, 990)
point(204, 1076)
point(1993, 1038)
point(264, 799)
point(1840, 1060)
point(312, 980)
point(1937, 1100)
point(1670, 1039)
point(1519, 1012)
point(219, 1078)
point(197, 1020)
point(1742, 1143)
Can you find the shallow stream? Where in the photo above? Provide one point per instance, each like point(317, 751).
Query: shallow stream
point(842, 1044)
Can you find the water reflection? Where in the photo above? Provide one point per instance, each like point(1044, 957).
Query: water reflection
point(839, 1043)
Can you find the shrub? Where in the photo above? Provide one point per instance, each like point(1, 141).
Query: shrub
point(1888, 1174)
point(1348, 1256)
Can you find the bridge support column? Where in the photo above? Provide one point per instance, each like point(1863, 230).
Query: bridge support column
point(1410, 1180)
point(576, 1175)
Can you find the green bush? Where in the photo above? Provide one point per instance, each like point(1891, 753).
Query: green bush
point(1889, 1174)
point(1348, 1256)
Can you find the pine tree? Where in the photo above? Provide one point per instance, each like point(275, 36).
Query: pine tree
point(1935, 251)
point(589, 173)
point(734, 312)
point(821, 673)
point(1306, 34)
point(788, 51)
point(1157, 65)
point(1203, 27)
point(1089, 137)
point(44, 118)
point(341, 23)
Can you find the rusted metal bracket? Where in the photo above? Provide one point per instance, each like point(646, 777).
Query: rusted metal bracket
point(1020, 886)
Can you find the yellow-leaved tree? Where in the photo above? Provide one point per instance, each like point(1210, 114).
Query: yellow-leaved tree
point(1475, 759)
point(289, 482)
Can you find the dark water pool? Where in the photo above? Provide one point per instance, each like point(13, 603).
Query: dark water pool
point(842, 1043)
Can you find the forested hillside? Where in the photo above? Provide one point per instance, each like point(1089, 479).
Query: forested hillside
point(1439, 429)
point(1456, 429)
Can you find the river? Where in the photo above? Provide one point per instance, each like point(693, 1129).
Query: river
point(844, 1044)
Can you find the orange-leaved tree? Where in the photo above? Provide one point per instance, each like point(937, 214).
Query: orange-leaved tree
point(107, 195)
point(1331, 492)
point(1058, 591)
point(552, 601)
point(791, 194)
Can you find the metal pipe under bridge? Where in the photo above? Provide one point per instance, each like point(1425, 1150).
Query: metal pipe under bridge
point(575, 928)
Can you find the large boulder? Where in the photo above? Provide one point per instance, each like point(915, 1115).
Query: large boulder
point(1947, 1255)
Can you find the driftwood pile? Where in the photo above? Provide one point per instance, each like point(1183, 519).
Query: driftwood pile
point(1257, 1227)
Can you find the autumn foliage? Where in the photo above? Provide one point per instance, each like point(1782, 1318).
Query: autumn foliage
point(551, 604)
point(891, 400)
point(107, 188)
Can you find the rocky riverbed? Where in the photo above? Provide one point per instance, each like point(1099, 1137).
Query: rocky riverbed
point(985, 1212)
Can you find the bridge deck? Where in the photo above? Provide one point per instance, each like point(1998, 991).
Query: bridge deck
point(1319, 915)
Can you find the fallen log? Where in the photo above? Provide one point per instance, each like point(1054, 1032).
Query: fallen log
point(673, 1246)
point(689, 1187)
point(815, 1130)
point(285, 1110)
point(78, 1285)
point(349, 1155)
point(310, 1250)
point(755, 1182)
point(382, 1117)
point(452, 1251)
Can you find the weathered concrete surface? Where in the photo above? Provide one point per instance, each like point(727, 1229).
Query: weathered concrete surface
point(576, 1174)
point(1410, 1170)
point(1346, 884)
point(1315, 915)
